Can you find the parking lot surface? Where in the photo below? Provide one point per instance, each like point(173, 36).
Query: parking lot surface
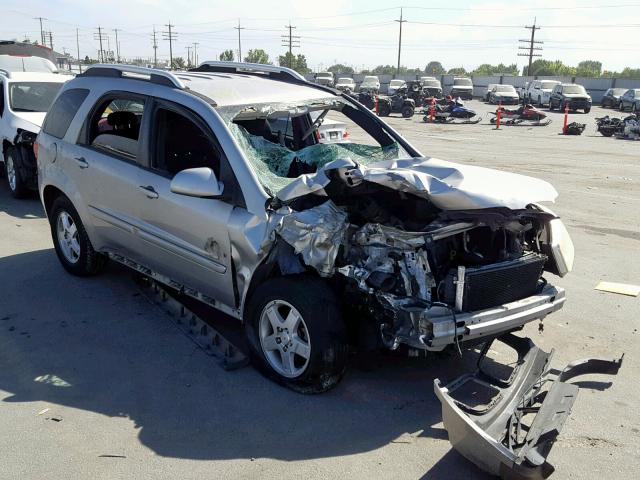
point(96, 382)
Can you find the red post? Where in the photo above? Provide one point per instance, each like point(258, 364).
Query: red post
point(432, 109)
point(377, 107)
point(499, 115)
point(566, 118)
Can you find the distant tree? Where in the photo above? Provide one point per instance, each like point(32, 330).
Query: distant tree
point(296, 62)
point(257, 56)
point(178, 63)
point(589, 68)
point(227, 56)
point(340, 68)
point(629, 73)
point(500, 69)
point(434, 68)
point(89, 61)
point(549, 67)
point(457, 71)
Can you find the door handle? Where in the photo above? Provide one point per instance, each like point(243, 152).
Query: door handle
point(82, 163)
point(149, 191)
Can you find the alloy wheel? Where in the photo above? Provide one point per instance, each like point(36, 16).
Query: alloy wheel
point(284, 338)
point(67, 233)
point(11, 173)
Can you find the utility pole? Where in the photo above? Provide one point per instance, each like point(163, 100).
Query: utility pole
point(116, 30)
point(401, 21)
point(189, 55)
point(78, 51)
point(100, 36)
point(195, 53)
point(531, 45)
point(171, 36)
point(291, 41)
point(48, 35)
point(41, 30)
point(155, 49)
point(239, 41)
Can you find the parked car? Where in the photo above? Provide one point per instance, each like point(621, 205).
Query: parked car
point(504, 94)
point(539, 92)
point(325, 78)
point(463, 88)
point(571, 94)
point(630, 100)
point(395, 85)
point(370, 83)
point(426, 79)
point(301, 241)
point(346, 83)
point(611, 97)
point(522, 91)
point(431, 88)
point(25, 98)
point(488, 92)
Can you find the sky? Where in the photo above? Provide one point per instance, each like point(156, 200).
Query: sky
point(359, 33)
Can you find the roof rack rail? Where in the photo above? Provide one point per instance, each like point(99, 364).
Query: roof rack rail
point(277, 73)
point(160, 77)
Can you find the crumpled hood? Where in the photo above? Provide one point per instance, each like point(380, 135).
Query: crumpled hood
point(577, 95)
point(449, 186)
point(31, 121)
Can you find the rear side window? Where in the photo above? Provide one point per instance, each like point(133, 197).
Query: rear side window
point(62, 112)
point(115, 126)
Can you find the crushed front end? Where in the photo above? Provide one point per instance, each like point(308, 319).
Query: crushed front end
point(507, 421)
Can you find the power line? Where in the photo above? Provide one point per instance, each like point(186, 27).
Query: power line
point(239, 28)
point(171, 36)
point(531, 45)
point(400, 22)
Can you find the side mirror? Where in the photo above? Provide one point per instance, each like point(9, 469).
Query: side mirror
point(197, 182)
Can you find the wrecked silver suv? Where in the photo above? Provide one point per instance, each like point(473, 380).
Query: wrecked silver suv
point(215, 182)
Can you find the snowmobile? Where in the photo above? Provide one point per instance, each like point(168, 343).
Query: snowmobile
point(525, 115)
point(451, 111)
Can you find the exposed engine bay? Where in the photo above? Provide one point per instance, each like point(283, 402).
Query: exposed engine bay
point(414, 270)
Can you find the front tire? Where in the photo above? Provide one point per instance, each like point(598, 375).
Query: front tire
point(71, 241)
point(296, 334)
point(17, 185)
point(407, 112)
point(587, 109)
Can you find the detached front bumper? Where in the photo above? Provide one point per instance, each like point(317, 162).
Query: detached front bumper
point(507, 426)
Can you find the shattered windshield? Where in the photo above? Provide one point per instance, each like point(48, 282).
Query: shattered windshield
point(282, 142)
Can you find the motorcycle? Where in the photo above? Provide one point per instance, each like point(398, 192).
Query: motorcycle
point(628, 128)
point(525, 115)
point(452, 112)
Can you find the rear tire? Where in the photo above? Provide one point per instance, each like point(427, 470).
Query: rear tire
point(309, 352)
point(71, 241)
point(17, 185)
point(383, 110)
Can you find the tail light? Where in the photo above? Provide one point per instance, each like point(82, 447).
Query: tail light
point(345, 134)
point(317, 135)
point(35, 149)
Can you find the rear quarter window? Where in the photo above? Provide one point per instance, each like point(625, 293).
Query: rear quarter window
point(62, 112)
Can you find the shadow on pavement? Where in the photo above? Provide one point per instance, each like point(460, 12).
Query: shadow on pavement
point(96, 344)
point(24, 208)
